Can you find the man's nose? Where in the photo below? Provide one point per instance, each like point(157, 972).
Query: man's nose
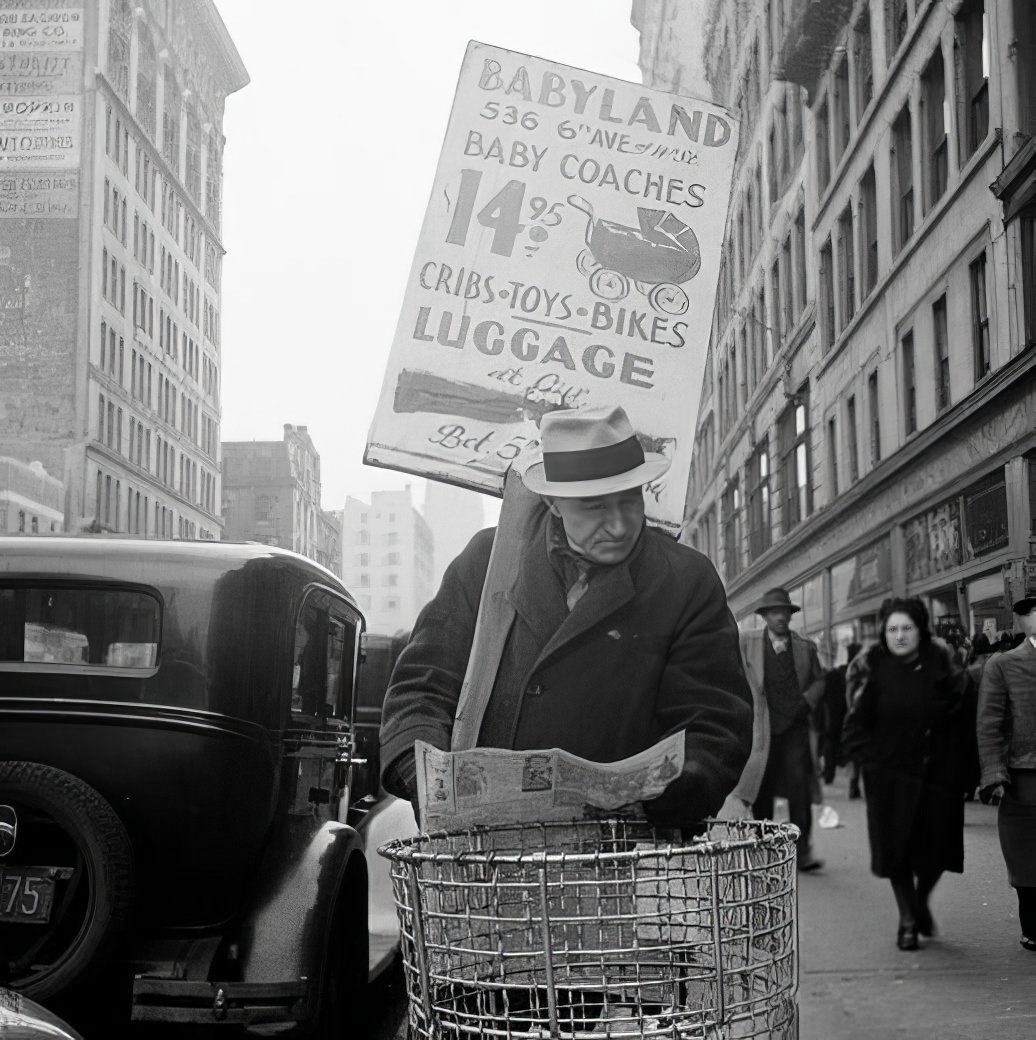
point(616, 523)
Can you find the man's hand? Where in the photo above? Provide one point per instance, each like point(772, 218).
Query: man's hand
point(992, 794)
point(735, 808)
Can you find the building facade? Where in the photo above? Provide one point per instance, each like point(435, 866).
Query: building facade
point(866, 424)
point(31, 500)
point(271, 494)
point(387, 559)
point(110, 256)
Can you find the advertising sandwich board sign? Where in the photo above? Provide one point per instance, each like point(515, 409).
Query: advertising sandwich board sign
point(569, 257)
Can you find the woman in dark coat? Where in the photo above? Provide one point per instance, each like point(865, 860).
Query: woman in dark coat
point(905, 727)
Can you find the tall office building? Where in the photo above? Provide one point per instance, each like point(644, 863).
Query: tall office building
point(110, 253)
point(866, 423)
point(387, 559)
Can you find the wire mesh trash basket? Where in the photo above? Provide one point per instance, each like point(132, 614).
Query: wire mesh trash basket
point(599, 929)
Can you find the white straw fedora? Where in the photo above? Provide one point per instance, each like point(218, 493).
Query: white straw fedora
point(591, 451)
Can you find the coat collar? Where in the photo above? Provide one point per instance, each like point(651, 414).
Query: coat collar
point(538, 598)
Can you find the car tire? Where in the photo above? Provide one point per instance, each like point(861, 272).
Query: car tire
point(64, 821)
point(343, 1011)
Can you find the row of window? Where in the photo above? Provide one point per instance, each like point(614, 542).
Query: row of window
point(746, 508)
point(153, 90)
point(363, 580)
point(131, 513)
point(25, 523)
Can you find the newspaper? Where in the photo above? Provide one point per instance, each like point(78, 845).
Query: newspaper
point(458, 789)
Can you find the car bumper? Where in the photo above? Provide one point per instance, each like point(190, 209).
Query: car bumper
point(218, 1003)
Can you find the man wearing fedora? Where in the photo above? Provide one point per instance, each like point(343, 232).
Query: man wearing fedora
point(616, 637)
point(1006, 730)
point(787, 683)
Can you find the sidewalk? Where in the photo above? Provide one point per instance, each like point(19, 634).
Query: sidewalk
point(972, 982)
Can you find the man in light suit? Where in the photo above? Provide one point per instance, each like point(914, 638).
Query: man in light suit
point(787, 683)
point(1006, 734)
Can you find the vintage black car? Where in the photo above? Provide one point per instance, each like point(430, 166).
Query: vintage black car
point(181, 802)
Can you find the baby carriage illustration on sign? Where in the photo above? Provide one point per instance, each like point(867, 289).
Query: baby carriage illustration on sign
point(655, 257)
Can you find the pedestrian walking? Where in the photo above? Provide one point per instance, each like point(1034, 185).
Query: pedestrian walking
point(904, 725)
point(830, 718)
point(787, 683)
point(1007, 752)
point(616, 634)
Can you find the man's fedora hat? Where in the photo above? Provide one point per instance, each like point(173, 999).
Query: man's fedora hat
point(591, 451)
point(776, 599)
point(1023, 606)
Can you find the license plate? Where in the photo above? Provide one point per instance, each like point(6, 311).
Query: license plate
point(27, 894)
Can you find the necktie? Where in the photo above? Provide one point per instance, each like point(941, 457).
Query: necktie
point(579, 586)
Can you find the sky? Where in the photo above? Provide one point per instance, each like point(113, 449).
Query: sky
point(330, 157)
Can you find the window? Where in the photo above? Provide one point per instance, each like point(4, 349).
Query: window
point(324, 656)
point(874, 406)
point(853, 445)
point(77, 626)
point(971, 55)
point(800, 262)
point(171, 122)
point(120, 25)
point(869, 224)
point(909, 384)
point(786, 304)
point(832, 459)
point(980, 315)
point(902, 180)
point(863, 61)
point(823, 158)
point(779, 320)
point(731, 506)
point(1028, 233)
point(940, 339)
point(391, 558)
point(758, 480)
point(846, 267)
point(827, 297)
point(934, 118)
point(147, 78)
point(842, 123)
point(796, 473)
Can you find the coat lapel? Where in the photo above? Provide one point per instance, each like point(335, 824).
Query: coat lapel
point(606, 593)
point(536, 593)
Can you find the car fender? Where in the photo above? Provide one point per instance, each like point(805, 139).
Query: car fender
point(312, 870)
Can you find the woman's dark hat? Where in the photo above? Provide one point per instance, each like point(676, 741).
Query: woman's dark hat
point(776, 599)
point(1023, 606)
point(588, 452)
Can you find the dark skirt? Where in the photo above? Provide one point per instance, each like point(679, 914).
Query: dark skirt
point(913, 824)
point(1016, 822)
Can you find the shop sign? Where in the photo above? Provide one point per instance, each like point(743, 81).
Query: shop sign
point(933, 541)
point(568, 258)
point(985, 512)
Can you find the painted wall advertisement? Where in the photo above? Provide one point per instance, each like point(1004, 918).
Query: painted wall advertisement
point(568, 258)
point(41, 128)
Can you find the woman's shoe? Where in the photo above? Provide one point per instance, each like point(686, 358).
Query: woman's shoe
point(925, 922)
point(906, 937)
point(1028, 944)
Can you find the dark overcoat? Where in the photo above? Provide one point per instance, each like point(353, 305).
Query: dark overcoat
point(650, 649)
point(906, 727)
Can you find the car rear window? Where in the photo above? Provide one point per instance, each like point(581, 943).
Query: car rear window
point(79, 626)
